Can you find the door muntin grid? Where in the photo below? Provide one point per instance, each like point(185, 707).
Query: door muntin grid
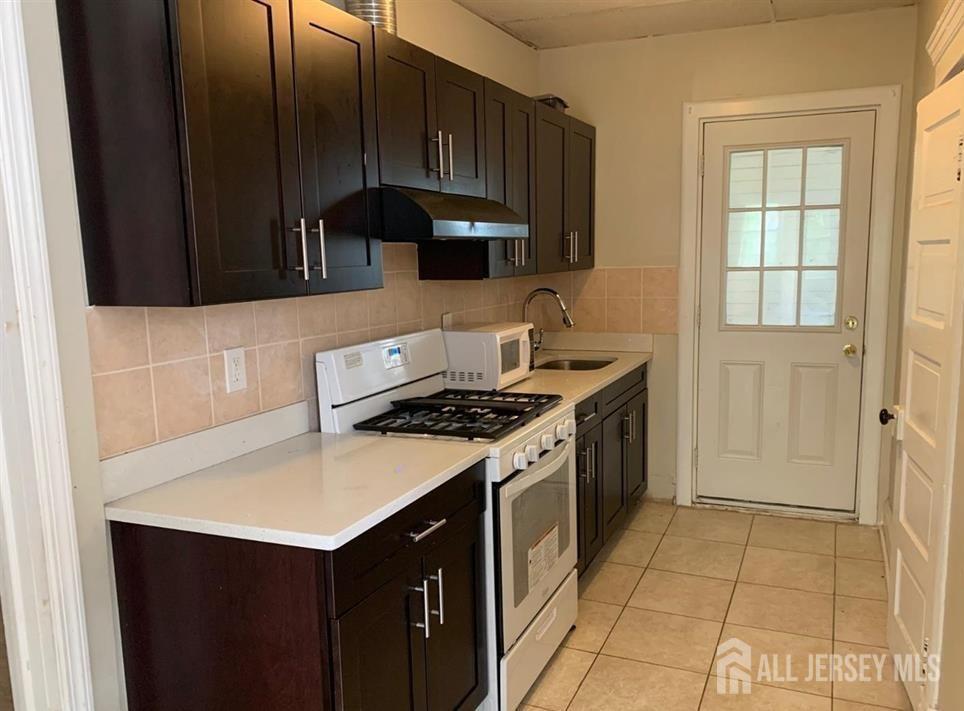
point(782, 222)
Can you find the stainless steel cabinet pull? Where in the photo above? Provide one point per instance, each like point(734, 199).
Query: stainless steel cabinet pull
point(425, 611)
point(522, 251)
point(451, 160)
point(321, 243)
point(627, 425)
point(441, 596)
point(575, 251)
point(441, 155)
point(303, 229)
point(433, 527)
point(568, 241)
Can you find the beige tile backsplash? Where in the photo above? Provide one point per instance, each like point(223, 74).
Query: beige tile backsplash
point(159, 373)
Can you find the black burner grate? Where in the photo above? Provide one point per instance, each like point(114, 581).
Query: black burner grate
point(468, 414)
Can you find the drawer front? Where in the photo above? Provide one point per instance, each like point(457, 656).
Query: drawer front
point(363, 564)
point(530, 654)
point(612, 396)
point(587, 415)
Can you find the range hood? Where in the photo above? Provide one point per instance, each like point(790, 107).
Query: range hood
point(410, 215)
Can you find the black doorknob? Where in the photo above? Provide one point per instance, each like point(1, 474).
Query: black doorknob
point(886, 416)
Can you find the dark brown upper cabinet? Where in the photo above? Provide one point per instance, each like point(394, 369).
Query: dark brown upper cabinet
point(215, 149)
point(565, 191)
point(430, 120)
point(510, 179)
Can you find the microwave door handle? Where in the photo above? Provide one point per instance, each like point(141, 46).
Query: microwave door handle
point(533, 476)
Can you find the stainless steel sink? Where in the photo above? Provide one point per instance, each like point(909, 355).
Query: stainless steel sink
point(573, 364)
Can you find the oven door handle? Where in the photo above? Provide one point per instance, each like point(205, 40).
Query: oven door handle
point(534, 476)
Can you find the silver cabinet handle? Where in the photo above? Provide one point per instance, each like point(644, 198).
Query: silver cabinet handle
point(567, 247)
point(433, 527)
point(321, 243)
point(627, 428)
point(522, 251)
point(514, 259)
point(575, 252)
point(441, 596)
point(425, 611)
point(441, 155)
point(303, 229)
point(451, 160)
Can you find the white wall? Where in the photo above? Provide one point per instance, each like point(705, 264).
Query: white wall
point(633, 92)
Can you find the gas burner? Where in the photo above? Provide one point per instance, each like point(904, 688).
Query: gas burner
point(466, 414)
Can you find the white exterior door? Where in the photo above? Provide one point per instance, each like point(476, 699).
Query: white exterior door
point(930, 377)
point(783, 264)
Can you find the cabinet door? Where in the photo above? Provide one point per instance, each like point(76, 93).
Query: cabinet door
point(407, 122)
point(239, 110)
point(615, 430)
point(461, 118)
point(636, 447)
point(455, 658)
point(335, 90)
point(590, 486)
point(380, 650)
point(581, 191)
point(552, 181)
point(510, 173)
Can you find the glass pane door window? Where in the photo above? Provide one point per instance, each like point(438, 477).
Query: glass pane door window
point(782, 231)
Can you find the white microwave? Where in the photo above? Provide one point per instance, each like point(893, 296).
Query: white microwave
point(486, 356)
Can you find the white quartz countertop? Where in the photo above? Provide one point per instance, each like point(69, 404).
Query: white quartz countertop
point(322, 490)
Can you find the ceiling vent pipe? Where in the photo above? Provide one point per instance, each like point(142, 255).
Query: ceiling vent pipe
point(380, 13)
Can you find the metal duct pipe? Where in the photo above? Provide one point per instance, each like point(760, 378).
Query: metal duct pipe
point(380, 13)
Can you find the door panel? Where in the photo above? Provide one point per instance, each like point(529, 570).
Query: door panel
point(930, 381)
point(552, 182)
point(590, 483)
point(614, 431)
point(335, 84)
point(581, 191)
point(245, 190)
point(407, 121)
point(455, 663)
point(786, 219)
point(380, 652)
point(461, 118)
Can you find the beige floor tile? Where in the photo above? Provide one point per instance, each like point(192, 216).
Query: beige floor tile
point(859, 542)
point(761, 698)
point(696, 557)
point(711, 525)
point(781, 659)
point(690, 595)
point(783, 610)
point(609, 582)
point(861, 578)
point(661, 638)
point(788, 569)
point(793, 534)
point(886, 692)
point(862, 621)
point(841, 705)
point(651, 517)
point(631, 548)
point(593, 624)
point(623, 685)
point(557, 684)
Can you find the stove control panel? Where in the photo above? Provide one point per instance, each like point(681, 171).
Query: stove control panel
point(395, 355)
point(524, 451)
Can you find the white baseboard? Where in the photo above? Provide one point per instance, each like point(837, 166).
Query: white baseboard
point(143, 468)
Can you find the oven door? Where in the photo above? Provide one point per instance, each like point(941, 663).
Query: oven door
point(536, 523)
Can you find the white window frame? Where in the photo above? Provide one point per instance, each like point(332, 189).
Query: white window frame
point(885, 102)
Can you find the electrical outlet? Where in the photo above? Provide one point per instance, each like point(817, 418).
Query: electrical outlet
point(235, 374)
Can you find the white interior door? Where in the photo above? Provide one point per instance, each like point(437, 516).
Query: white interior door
point(785, 229)
point(930, 376)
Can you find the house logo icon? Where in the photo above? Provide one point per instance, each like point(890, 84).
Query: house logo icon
point(733, 665)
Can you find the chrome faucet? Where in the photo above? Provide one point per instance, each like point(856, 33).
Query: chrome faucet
point(566, 318)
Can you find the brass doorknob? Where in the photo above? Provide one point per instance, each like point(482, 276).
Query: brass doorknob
point(850, 350)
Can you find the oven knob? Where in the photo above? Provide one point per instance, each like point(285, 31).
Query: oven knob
point(571, 427)
point(562, 431)
point(548, 441)
point(519, 460)
point(532, 453)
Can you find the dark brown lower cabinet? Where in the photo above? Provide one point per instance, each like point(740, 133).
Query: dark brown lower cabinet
point(615, 430)
point(385, 622)
point(589, 497)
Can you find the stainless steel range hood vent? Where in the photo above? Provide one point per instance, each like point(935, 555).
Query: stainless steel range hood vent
point(380, 13)
point(410, 215)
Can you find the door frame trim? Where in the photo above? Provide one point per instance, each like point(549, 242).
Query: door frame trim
point(885, 102)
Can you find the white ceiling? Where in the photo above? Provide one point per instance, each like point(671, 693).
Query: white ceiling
point(562, 23)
